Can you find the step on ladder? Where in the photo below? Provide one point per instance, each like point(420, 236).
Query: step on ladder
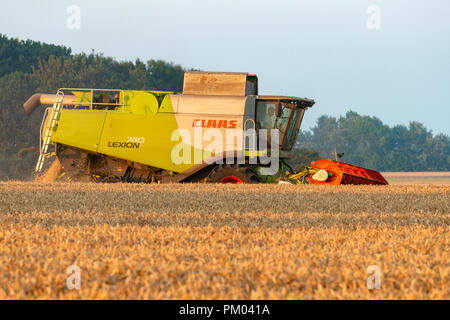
point(44, 143)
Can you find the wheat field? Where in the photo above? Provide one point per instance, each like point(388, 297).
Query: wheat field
point(198, 241)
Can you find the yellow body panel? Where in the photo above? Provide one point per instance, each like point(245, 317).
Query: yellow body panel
point(141, 138)
point(80, 128)
point(143, 103)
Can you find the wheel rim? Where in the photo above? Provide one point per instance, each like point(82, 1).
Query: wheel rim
point(231, 179)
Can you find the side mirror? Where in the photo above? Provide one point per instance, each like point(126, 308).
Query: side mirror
point(279, 110)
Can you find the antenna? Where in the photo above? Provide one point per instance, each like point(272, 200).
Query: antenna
point(337, 156)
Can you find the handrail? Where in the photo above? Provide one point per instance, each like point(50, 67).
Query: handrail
point(92, 90)
point(43, 148)
point(42, 126)
point(253, 136)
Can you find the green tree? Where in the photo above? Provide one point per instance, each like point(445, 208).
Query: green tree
point(303, 158)
point(16, 55)
point(367, 142)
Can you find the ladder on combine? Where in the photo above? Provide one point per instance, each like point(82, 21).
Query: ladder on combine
point(54, 119)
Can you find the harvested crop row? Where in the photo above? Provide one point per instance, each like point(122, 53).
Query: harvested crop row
point(222, 199)
point(212, 188)
point(236, 220)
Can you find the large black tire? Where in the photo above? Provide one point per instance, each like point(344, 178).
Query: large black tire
point(234, 173)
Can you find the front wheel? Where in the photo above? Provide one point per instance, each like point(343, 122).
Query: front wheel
point(235, 173)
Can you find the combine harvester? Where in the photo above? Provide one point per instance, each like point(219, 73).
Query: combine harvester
point(108, 135)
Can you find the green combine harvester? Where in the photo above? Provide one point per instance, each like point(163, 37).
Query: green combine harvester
point(217, 130)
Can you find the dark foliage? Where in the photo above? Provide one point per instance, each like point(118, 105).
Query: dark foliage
point(27, 67)
point(367, 142)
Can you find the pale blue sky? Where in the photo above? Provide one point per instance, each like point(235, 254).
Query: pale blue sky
point(321, 49)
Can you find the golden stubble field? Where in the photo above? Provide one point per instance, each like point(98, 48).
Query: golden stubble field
point(200, 241)
point(414, 178)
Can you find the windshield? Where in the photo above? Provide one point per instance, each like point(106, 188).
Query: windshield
point(294, 127)
point(266, 119)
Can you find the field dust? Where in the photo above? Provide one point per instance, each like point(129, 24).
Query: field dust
point(52, 173)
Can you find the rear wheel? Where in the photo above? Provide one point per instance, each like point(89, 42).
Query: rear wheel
point(235, 173)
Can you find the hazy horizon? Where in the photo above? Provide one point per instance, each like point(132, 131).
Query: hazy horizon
point(321, 50)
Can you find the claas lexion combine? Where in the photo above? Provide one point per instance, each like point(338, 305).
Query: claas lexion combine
point(109, 135)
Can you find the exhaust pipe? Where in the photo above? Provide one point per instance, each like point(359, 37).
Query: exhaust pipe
point(38, 99)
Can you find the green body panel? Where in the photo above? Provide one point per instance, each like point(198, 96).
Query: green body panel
point(85, 136)
point(83, 97)
point(166, 105)
point(141, 103)
point(152, 136)
point(147, 102)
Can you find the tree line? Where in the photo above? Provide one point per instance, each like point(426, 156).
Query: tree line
point(27, 67)
point(365, 141)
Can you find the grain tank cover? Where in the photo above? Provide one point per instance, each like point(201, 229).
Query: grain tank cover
point(220, 83)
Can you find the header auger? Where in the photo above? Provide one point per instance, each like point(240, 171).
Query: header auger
point(217, 130)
